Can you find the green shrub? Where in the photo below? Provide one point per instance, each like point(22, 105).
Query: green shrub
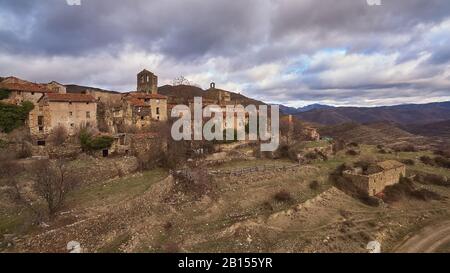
point(90, 143)
point(14, 116)
point(4, 94)
point(427, 160)
point(100, 143)
point(408, 161)
point(3, 143)
point(442, 162)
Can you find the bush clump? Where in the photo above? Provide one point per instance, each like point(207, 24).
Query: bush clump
point(433, 179)
point(283, 196)
point(405, 148)
point(4, 94)
point(311, 155)
point(90, 143)
point(314, 185)
point(442, 162)
point(405, 188)
point(408, 161)
point(427, 160)
point(425, 195)
point(14, 116)
point(352, 152)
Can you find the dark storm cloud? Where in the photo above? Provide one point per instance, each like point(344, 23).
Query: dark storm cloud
point(176, 28)
point(272, 49)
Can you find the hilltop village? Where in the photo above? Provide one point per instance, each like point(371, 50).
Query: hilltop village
point(119, 116)
point(89, 170)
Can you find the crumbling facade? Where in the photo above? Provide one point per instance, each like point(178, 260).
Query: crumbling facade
point(376, 177)
point(71, 111)
point(147, 82)
point(137, 109)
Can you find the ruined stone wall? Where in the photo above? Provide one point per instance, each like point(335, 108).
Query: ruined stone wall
point(72, 115)
point(140, 143)
point(156, 104)
point(378, 181)
point(56, 87)
point(375, 183)
point(360, 181)
point(17, 97)
point(105, 97)
point(33, 119)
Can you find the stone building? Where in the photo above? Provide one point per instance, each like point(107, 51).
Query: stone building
point(103, 96)
point(21, 90)
point(147, 82)
point(56, 87)
point(376, 177)
point(68, 110)
point(137, 109)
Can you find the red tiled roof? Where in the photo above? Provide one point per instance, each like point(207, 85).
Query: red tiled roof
point(70, 97)
point(137, 102)
point(25, 87)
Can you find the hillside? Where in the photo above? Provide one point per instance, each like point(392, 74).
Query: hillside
point(73, 88)
point(375, 133)
point(183, 93)
point(401, 114)
point(439, 129)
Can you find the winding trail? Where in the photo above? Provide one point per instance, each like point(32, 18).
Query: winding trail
point(428, 240)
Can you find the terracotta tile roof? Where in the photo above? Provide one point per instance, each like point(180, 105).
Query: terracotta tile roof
point(25, 87)
point(137, 102)
point(70, 97)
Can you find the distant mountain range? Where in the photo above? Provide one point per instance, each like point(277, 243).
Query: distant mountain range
point(399, 114)
point(292, 110)
point(431, 119)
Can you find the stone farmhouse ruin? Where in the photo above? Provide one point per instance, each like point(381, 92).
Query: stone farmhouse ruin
point(377, 176)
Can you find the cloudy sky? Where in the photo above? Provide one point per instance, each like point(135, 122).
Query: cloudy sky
point(295, 52)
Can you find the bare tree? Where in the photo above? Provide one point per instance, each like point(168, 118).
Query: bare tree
point(181, 80)
point(53, 183)
point(58, 135)
point(22, 138)
point(10, 170)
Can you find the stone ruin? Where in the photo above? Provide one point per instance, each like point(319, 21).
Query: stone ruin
point(376, 177)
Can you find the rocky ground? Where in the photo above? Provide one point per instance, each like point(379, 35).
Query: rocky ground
point(149, 212)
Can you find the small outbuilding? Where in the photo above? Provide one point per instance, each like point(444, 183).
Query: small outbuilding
point(377, 176)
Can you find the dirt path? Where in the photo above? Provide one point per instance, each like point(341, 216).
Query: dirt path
point(428, 240)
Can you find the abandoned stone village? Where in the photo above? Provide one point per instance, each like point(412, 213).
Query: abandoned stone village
point(224, 195)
